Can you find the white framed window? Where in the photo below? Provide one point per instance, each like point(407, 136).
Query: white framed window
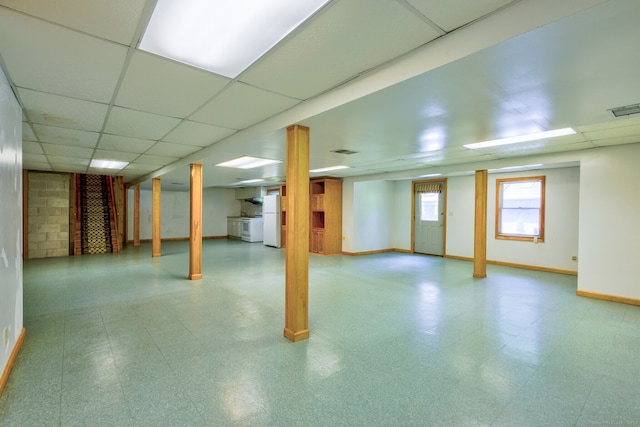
point(520, 208)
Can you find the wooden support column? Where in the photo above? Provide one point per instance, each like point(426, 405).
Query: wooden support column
point(480, 226)
point(297, 257)
point(136, 215)
point(195, 227)
point(155, 217)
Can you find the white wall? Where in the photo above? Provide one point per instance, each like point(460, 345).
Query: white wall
point(11, 307)
point(610, 221)
point(460, 215)
point(402, 217)
point(217, 204)
point(372, 215)
point(561, 223)
point(347, 215)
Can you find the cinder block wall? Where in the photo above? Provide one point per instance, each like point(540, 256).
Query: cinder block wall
point(48, 215)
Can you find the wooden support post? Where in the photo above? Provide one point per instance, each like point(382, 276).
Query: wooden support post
point(136, 215)
point(155, 217)
point(297, 257)
point(480, 226)
point(195, 227)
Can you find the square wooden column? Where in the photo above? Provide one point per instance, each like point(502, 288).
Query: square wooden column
point(136, 215)
point(297, 246)
point(480, 226)
point(195, 223)
point(155, 217)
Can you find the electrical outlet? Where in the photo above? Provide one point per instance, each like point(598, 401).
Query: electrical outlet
point(5, 337)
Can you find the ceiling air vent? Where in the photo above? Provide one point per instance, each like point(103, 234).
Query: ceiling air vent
point(343, 151)
point(627, 110)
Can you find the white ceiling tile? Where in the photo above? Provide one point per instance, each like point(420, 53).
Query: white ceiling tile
point(616, 132)
point(632, 139)
point(56, 110)
point(32, 147)
point(347, 38)
point(59, 60)
point(29, 157)
point(165, 87)
point(241, 105)
point(613, 123)
point(39, 166)
point(142, 167)
point(138, 124)
point(156, 160)
point(115, 155)
point(452, 14)
point(57, 160)
point(172, 150)
point(27, 132)
point(115, 20)
point(200, 134)
point(65, 167)
point(68, 151)
point(63, 136)
point(122, 143)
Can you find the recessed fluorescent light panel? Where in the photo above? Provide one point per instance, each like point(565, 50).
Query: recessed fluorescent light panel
point(250, 181)
point(522, 138)
point(328, 169)
point(224, 36)
point(107, 164)
point(247, 162)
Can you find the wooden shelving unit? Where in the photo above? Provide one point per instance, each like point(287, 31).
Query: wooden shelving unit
point(325, 211)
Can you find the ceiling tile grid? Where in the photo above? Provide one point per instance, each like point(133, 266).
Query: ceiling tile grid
point(46, 57)
point(343, 40)
point(138, 124)
point(241, 105)
point(65, 136)
point(56, 110)
point(115, 20)
point(194, 133)
point(157, 85)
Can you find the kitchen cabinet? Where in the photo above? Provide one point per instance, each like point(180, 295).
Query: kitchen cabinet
point(234, 228)
point(244, 193)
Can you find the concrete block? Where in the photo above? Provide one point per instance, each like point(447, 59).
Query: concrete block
point(49, 244)
point(58, 219)
point(58, 252)
point(49, 228)
point(58, 203)
point(37, 253)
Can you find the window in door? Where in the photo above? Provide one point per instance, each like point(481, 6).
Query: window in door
point(520, 208)
point(429, 206)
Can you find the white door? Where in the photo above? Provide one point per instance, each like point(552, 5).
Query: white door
point(429, 223)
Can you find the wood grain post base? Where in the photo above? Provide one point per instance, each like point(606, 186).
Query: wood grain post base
point(296, 336)
point(195, 276)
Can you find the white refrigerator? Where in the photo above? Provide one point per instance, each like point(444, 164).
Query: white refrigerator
point(271, 219)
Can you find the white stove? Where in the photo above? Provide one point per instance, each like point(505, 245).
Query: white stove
point(252, 229)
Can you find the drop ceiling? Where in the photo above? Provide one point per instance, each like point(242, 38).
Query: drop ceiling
point(404, 83)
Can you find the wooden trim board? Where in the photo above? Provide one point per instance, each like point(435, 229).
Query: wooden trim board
point(606, 297)
point(12, 358)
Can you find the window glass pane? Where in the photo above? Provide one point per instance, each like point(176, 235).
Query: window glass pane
point(429, 206)
point(520, 205)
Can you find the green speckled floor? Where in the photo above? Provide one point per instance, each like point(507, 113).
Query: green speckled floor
point(396, 340)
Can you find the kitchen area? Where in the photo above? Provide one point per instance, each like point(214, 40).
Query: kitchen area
point(259, 217)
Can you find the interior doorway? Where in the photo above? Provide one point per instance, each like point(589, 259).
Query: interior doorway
point(429, 224)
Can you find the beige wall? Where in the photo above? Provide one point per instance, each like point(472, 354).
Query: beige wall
point(48, 215)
